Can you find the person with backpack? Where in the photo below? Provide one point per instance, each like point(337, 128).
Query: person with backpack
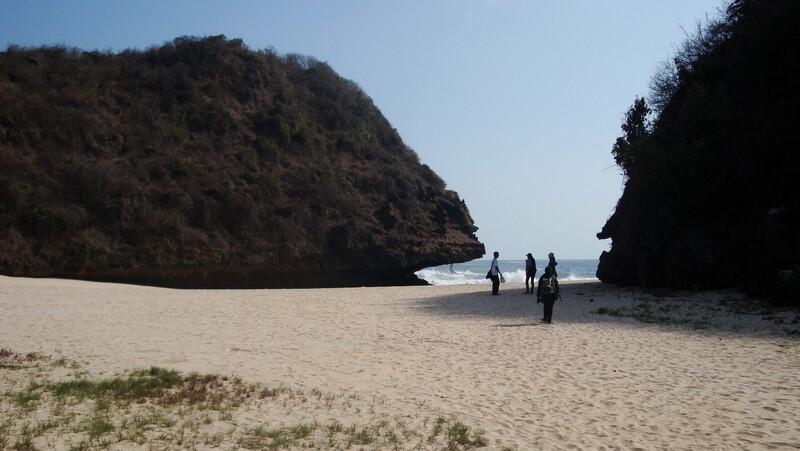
point(547, 293)
point(552, 263)
point(530, 273)
point(495, 274)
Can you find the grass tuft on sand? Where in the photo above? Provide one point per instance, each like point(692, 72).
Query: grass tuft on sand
point(162, 408)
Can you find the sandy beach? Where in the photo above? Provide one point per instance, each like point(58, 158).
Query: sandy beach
point(677, 373)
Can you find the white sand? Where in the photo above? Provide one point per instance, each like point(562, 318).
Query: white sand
point(586, 381)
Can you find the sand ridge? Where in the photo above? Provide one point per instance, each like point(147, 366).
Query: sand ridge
point(587, 381)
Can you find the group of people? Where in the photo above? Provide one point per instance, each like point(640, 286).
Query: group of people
point(547, 291)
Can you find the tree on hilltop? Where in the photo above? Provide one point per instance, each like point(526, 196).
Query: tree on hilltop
point(637, 129)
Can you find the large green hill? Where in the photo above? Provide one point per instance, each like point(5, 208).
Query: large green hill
point(711, 198)
point(202, 163)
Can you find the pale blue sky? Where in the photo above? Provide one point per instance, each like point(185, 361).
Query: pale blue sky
point(514, 103)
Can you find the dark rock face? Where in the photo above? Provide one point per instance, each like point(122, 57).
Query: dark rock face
point(711, 196)
point(202, 163)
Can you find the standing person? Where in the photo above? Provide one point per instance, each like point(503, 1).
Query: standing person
point(495, 274)
point(547, 293)
point(530, 273)
point(552, 263)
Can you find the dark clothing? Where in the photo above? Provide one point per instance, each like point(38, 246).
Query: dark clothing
point(530, 274)
point(548, 309)
point(540, 289)
point(494, 274)
point(548, 299)
point(530, 266)
point(552, 265)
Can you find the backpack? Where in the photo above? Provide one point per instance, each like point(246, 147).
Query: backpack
point(549, 288)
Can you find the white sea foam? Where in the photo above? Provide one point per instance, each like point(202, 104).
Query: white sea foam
point(517, 276)
point(439, 276)
point(573, 278)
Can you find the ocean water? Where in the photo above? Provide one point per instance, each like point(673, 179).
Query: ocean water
point(474, 271)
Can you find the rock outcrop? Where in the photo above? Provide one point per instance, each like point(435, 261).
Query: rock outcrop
point(711, 196)
point(202, 163)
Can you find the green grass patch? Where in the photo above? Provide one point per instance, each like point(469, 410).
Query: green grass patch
point(166, 387)
point(438, 428)
point(5, 430)
point(611, 311)
point(41, 427)
point(391, 437)
point(459, 435)
point(656, 313)
point(139, 385)
point(360, 435)
point(25, 399)
point(99, 426)
point(150, 419)
point(24, 443)
point(277, 438)
point(302, 431)
point(164, 408)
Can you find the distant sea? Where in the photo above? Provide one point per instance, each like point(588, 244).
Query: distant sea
point(513, 270)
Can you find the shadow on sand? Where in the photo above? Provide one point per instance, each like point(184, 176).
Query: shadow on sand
point(537, 323)
point(626, 307)
point(512, 304)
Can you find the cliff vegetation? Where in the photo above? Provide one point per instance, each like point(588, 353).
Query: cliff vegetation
point(712, 161)
point(203, 163)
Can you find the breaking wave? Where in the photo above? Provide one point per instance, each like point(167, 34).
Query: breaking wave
point(474, 272)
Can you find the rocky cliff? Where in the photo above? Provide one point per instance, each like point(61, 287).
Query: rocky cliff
point(202, 163)
point(713, 172)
